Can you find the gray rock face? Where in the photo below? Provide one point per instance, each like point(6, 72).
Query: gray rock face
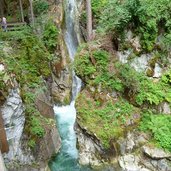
point(133, 141)
point(155, 153)
point(164, 108)
point(89, 151)
point(139, 63)
point(14, 119)
point(157, 71)
point(130, 162)
point(62, 77)
point(61, 87)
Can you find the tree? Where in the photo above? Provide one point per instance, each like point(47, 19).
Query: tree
point(89, 20)
point(2, 8)
point(31, 11)
point(21, 9)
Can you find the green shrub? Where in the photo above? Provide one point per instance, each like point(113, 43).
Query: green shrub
point(29, 62)
point(166, 78)
point(40, 6)
point(145, 17)
point(36, 127)
point(31, 143)
point(84, 66)
point(50, 36)
point(159, 126)
point(97, 8)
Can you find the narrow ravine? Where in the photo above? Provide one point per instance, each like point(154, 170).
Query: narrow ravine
point(67, 159)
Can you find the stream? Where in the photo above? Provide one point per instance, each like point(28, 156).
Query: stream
point(67, 158)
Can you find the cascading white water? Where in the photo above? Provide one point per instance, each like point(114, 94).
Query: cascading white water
point(66, 160)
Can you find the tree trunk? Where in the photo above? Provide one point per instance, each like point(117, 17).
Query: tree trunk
point(2, 8)
point(31, 11)
point(89, 20)
point(21, 9)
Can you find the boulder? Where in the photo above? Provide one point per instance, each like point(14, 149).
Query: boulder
point(164, 108)
point(130, 162)
point(155, 153)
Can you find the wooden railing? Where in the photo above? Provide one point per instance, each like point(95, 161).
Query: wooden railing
point(15, 26)
point(3, 139)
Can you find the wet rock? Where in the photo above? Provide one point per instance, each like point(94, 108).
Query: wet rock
point(44, 104)
point(61, 88)
point(155, 153)
point(62, 77)
point(48, 145)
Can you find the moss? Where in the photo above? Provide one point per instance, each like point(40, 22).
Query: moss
point(150, 72)
point(67, 100)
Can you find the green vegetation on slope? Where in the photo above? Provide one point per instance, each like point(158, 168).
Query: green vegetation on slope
point(146, 18)
point(106, 118)
point(28, 61)
point(104, 75)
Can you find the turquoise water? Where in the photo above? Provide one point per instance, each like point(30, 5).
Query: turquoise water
point(67, 159)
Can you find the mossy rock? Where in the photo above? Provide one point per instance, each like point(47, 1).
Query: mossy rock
point(149, 72)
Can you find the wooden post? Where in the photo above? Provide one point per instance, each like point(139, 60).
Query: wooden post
point(2, 8)
point(31, 11)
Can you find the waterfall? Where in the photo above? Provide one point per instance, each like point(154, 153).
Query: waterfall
point(67, 158)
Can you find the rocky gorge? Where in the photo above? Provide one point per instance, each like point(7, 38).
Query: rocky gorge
point(124, 90)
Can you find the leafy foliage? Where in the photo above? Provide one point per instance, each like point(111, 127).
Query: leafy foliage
point(125, 79)
point(148, 18)
point(40, 6)
point(106, 118)
point(28, 60)
point(50, 36)
point(160, 127)
point(97, 7)
point(84, 65)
